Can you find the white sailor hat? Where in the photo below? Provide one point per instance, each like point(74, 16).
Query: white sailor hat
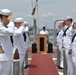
point(68, 17)
point(5, 12)
point(18, 20)
point(25, 22)
point(60, 21)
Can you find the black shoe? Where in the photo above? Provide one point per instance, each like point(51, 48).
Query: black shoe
point(60, 67)
point(26, 66)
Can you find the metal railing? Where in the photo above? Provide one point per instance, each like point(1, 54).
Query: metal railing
point(55, 30)
point(58, 57)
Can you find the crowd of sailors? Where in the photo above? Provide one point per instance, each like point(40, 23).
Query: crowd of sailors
point(66, 40)
point(14, 37)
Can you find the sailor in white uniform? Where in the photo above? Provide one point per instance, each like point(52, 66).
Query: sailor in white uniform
point(44, 31)
point(73, 47)
point(67, 36)
point(26, 65)
point(19, 41)
point(6, 30)
point(59, 40)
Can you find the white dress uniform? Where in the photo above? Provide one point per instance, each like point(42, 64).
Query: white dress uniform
point(6, 59)
point(66, 45)
point(73, 48)
point(44, 32)
point(27, 42)
point(74, 55)
point(20, 44)
point(59, 40)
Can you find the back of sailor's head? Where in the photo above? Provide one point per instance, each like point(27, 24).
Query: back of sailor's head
point(68, 18)
point(17, 20)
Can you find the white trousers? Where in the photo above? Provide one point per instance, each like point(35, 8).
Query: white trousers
point(74, 65)
point(69, 62)
point(21, 63)
point(26, 59)
point(61, 55)
point(26, 55)
point(6, 67)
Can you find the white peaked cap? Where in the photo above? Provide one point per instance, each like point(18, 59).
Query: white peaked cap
point(5, 12)
point(68, 17)
point(60, 21)
point(18, 20)
point(25, 22)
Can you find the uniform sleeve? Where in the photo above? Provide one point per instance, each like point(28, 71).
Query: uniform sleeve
point(19, 31)
point(70, 46)
point(7, 31)
point(71, 36)
point(47, 33)
point(26, 29)
point(62, 38)
point(61, 34)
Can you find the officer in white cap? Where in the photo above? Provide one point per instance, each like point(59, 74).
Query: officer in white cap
point(6, 30)
point(44, 31)
point(27, 42)
point(73, 47)
point(19, 41)
point(67, 36)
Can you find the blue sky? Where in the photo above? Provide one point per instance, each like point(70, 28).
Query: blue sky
point(48, 10)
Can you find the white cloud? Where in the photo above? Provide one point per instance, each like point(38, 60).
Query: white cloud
point(47, 15)
point(44, 15)
point(74, 11)
point(50, 14)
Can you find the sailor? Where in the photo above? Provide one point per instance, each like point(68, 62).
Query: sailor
point(59, 40)
point(19, 41)
point(67, 36)
point(73, 47)
point(44, 31)
point(6, 30)
point(27, 42)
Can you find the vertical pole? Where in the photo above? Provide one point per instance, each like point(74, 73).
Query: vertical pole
point(35, 30)
point(55, 31)
point(32, 3)
point(58, 57)
point(34, 22)
point(37, 19)
point(65, 64)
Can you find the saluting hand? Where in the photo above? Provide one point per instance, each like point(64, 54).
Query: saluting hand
point(10, 18)
point(23, 24)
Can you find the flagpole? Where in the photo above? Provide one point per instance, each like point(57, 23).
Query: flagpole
point(32, 3)
point(34, 23)
point(37, 18)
